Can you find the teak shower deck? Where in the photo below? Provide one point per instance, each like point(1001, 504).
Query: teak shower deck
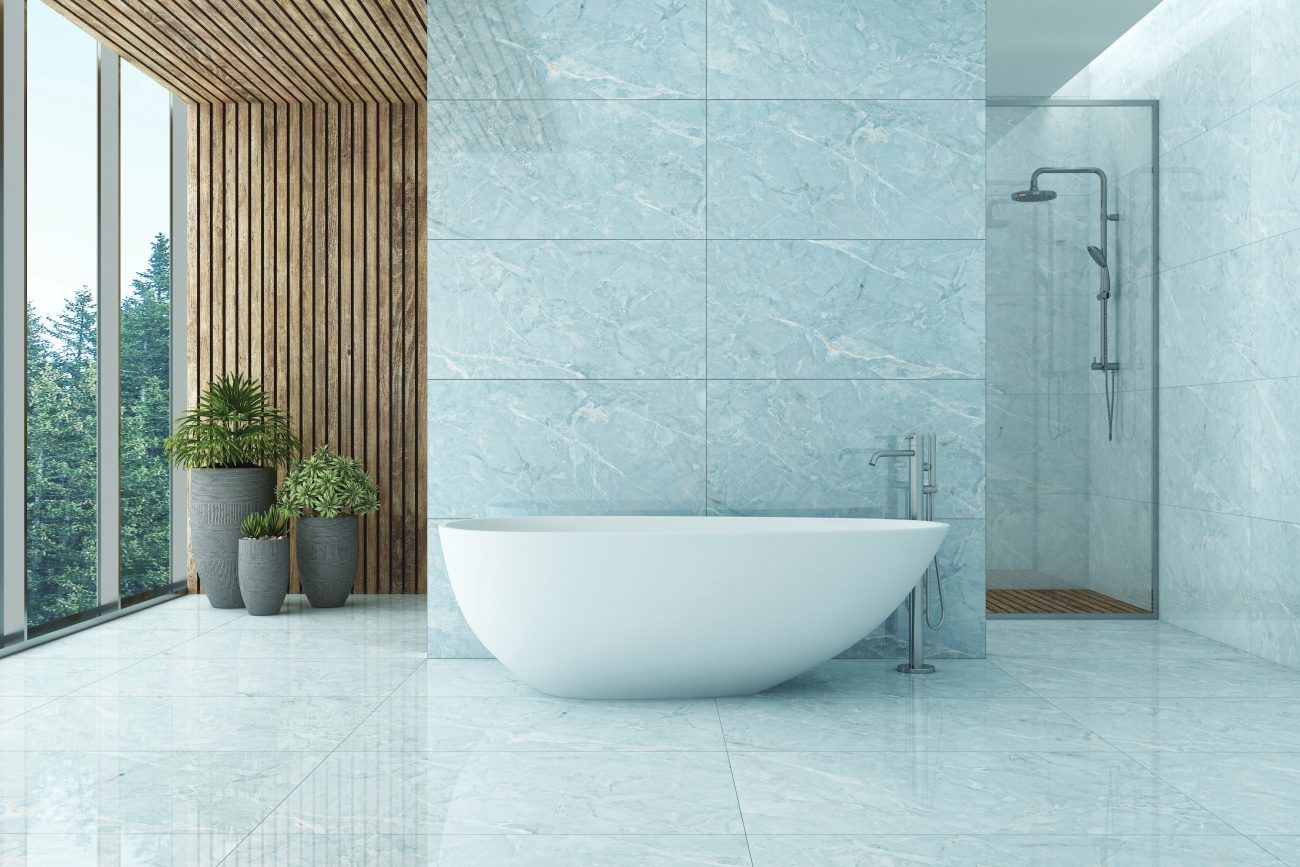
point(1055, 602)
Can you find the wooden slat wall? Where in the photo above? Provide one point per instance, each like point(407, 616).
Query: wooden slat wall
point(309, 272)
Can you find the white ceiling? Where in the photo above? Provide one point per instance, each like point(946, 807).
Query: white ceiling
point(1035, 46)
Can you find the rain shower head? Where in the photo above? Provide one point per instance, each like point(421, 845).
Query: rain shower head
point(1097, 255)
point(1033, 194)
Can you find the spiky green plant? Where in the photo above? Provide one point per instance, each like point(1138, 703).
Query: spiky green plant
point(329, 486)
point(234, 425)
point(271, 524)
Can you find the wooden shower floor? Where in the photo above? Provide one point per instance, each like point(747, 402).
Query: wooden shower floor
point(1055, 602)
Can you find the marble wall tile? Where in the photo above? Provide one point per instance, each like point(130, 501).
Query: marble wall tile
point(1040, 345)
point(1120, 542)
point(1038, 542)
point(1205, 194)
point(1130, 335)
point(1133, 237)
point(566, 309)
point(1203, 73)
point(1038, 443)
point(892, 49)
point(1122, 467)
point(779, 447)
point(1204, 576)
point(1274, 62)
point(557, 447)
point(1275, 468)
point(566, 49)
point(1274, 307)
point(1205, 456)
point(449, 635)
point(852, 309)
point(826, 169)
point(1042, 248)
point(1274, 592)
point(1275, 164)
point(566, 169)
point(1207, 313)
point(962, 635)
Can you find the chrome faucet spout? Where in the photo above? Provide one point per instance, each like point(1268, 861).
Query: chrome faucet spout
point(891, 453)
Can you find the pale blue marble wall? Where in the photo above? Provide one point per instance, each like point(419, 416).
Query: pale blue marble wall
point(666, 278)
point(1228, 77)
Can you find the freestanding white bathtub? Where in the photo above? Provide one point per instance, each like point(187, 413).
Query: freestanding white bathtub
point(662, 607)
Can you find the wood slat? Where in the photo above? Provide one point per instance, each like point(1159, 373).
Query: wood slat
point(1054, 601)
point(266, 50)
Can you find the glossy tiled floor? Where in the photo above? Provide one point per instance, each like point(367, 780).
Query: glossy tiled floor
point(184, 735)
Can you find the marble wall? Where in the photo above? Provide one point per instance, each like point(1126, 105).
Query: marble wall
point(683, 254)
point(1068, 506)
point(1228, 78)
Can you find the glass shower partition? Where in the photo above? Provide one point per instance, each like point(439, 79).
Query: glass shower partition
point(1071, 470)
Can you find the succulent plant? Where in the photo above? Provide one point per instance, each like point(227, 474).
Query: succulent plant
point(328, 485)
point(271, 524)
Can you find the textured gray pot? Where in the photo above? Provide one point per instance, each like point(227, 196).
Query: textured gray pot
point(263, 574)
point(327, 559)
point(219, 502)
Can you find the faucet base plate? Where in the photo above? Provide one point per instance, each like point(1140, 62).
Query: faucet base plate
point(923, 668)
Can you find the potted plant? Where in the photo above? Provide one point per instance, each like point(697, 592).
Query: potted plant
point(327, 493)
point(264, 561)
point(231, 443)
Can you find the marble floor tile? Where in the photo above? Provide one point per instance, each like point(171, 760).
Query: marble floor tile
point(361, 612)
point(892, 724)
point(1247, 725)
point(854, 679)
point(1241, 676)
point(960, 793)
point(25, 675)
point(537, 725)
point(1255, 793)
point(1099, 639)
point(1286, 848)
point(514, 793)
point(128, 644)
point(517, 850)
point(1006, 851)
point(184, 676)
point(75, 793)
point(378, 643)
point(188, 723)
point(96, 848)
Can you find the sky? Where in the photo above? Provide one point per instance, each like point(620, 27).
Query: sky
point(62, 162)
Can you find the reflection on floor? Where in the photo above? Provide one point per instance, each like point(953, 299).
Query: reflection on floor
point(183, 735)
point(1009, 601)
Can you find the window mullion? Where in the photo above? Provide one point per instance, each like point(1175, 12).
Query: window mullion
point(109, 307)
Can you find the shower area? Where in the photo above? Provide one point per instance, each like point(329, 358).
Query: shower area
point(1072, 235)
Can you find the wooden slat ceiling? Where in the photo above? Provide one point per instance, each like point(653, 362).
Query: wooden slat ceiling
point(267, 51)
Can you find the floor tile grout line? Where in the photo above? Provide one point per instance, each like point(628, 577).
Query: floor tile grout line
point(740, 811)
point(316, 767)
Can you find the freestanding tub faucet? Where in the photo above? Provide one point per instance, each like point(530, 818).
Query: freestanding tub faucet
point(919, 484)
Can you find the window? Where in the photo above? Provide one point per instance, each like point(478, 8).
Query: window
point(89, 212)
point(146, 266)
point(62, 324)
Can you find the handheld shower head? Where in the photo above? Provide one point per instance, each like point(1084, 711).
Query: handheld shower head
point(1033, 194)
point(1097, 256)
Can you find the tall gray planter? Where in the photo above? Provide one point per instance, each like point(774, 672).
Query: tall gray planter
point(263, 574)
point(327, 559)
point(219, 502)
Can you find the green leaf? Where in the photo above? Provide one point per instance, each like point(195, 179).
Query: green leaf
point(328, 486)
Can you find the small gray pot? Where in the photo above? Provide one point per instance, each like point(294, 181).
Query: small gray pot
point(327, 559)
point(263, 574)
point(219, 502)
